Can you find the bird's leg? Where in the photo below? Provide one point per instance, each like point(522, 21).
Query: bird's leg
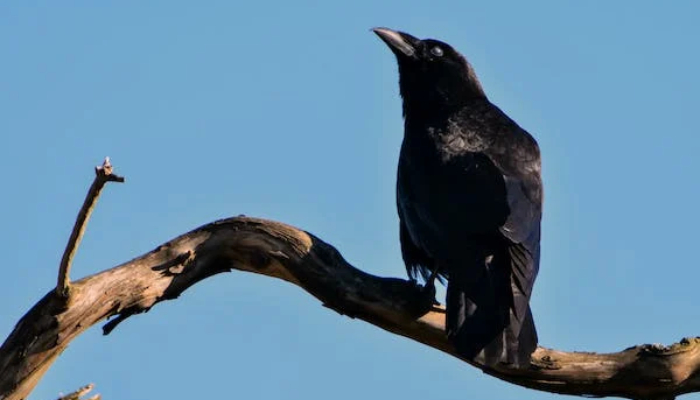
point(423, 296)
point(429, 288)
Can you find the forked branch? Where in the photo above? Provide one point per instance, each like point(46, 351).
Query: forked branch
point(103, 174)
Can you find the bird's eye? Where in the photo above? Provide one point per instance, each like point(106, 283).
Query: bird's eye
point(436, 51)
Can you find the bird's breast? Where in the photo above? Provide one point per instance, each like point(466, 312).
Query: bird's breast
point(449, 191)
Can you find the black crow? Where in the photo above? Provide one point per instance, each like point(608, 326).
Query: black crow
point(469, 197)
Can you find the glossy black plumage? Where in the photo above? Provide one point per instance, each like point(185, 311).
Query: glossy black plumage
point(469, 198)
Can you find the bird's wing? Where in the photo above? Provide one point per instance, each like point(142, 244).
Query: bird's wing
point(522, 228)
point(517, 156)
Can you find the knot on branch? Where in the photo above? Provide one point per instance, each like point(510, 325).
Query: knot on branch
point(659, 350)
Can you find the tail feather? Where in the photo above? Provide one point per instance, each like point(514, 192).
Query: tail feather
point(483, 321)
point(527, 339)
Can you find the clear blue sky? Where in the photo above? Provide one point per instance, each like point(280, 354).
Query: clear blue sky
point(290, 111)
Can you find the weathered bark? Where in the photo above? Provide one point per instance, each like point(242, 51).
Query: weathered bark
point(103, 174)
point(281, 251)
point(78, 394)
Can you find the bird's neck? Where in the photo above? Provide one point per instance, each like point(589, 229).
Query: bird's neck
point(433, 111)
point(423, 109)
point(422, 129)
point(436, 104)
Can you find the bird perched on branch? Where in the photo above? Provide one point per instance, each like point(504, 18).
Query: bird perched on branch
point(469, 198)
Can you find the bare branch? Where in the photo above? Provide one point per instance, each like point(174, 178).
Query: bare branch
point(103, 174)
point(80, 393)
point(284, 252)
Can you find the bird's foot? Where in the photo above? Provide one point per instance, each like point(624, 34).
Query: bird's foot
point(420, 298)
point(428, 291)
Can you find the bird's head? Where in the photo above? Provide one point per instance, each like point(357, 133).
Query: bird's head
point(431, 72)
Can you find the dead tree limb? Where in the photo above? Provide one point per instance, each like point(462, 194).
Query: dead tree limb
point(284, 252)
point(103, 174)
point(78, 394)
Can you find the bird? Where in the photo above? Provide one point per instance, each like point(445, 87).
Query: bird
point(469, 197)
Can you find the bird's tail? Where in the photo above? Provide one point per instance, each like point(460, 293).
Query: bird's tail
point(488, 318)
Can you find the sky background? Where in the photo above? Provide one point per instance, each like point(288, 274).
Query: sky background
point(290, 111)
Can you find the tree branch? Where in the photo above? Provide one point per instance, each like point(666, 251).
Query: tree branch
point(103, 174)
point(80, 393)
point(284, 252)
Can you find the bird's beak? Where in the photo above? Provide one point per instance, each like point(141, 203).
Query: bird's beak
point(402, 44)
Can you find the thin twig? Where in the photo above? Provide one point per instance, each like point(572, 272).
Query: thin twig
point(103, 174)
point(80, 393)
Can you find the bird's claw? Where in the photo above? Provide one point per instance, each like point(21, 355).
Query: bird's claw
point(429, 294)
